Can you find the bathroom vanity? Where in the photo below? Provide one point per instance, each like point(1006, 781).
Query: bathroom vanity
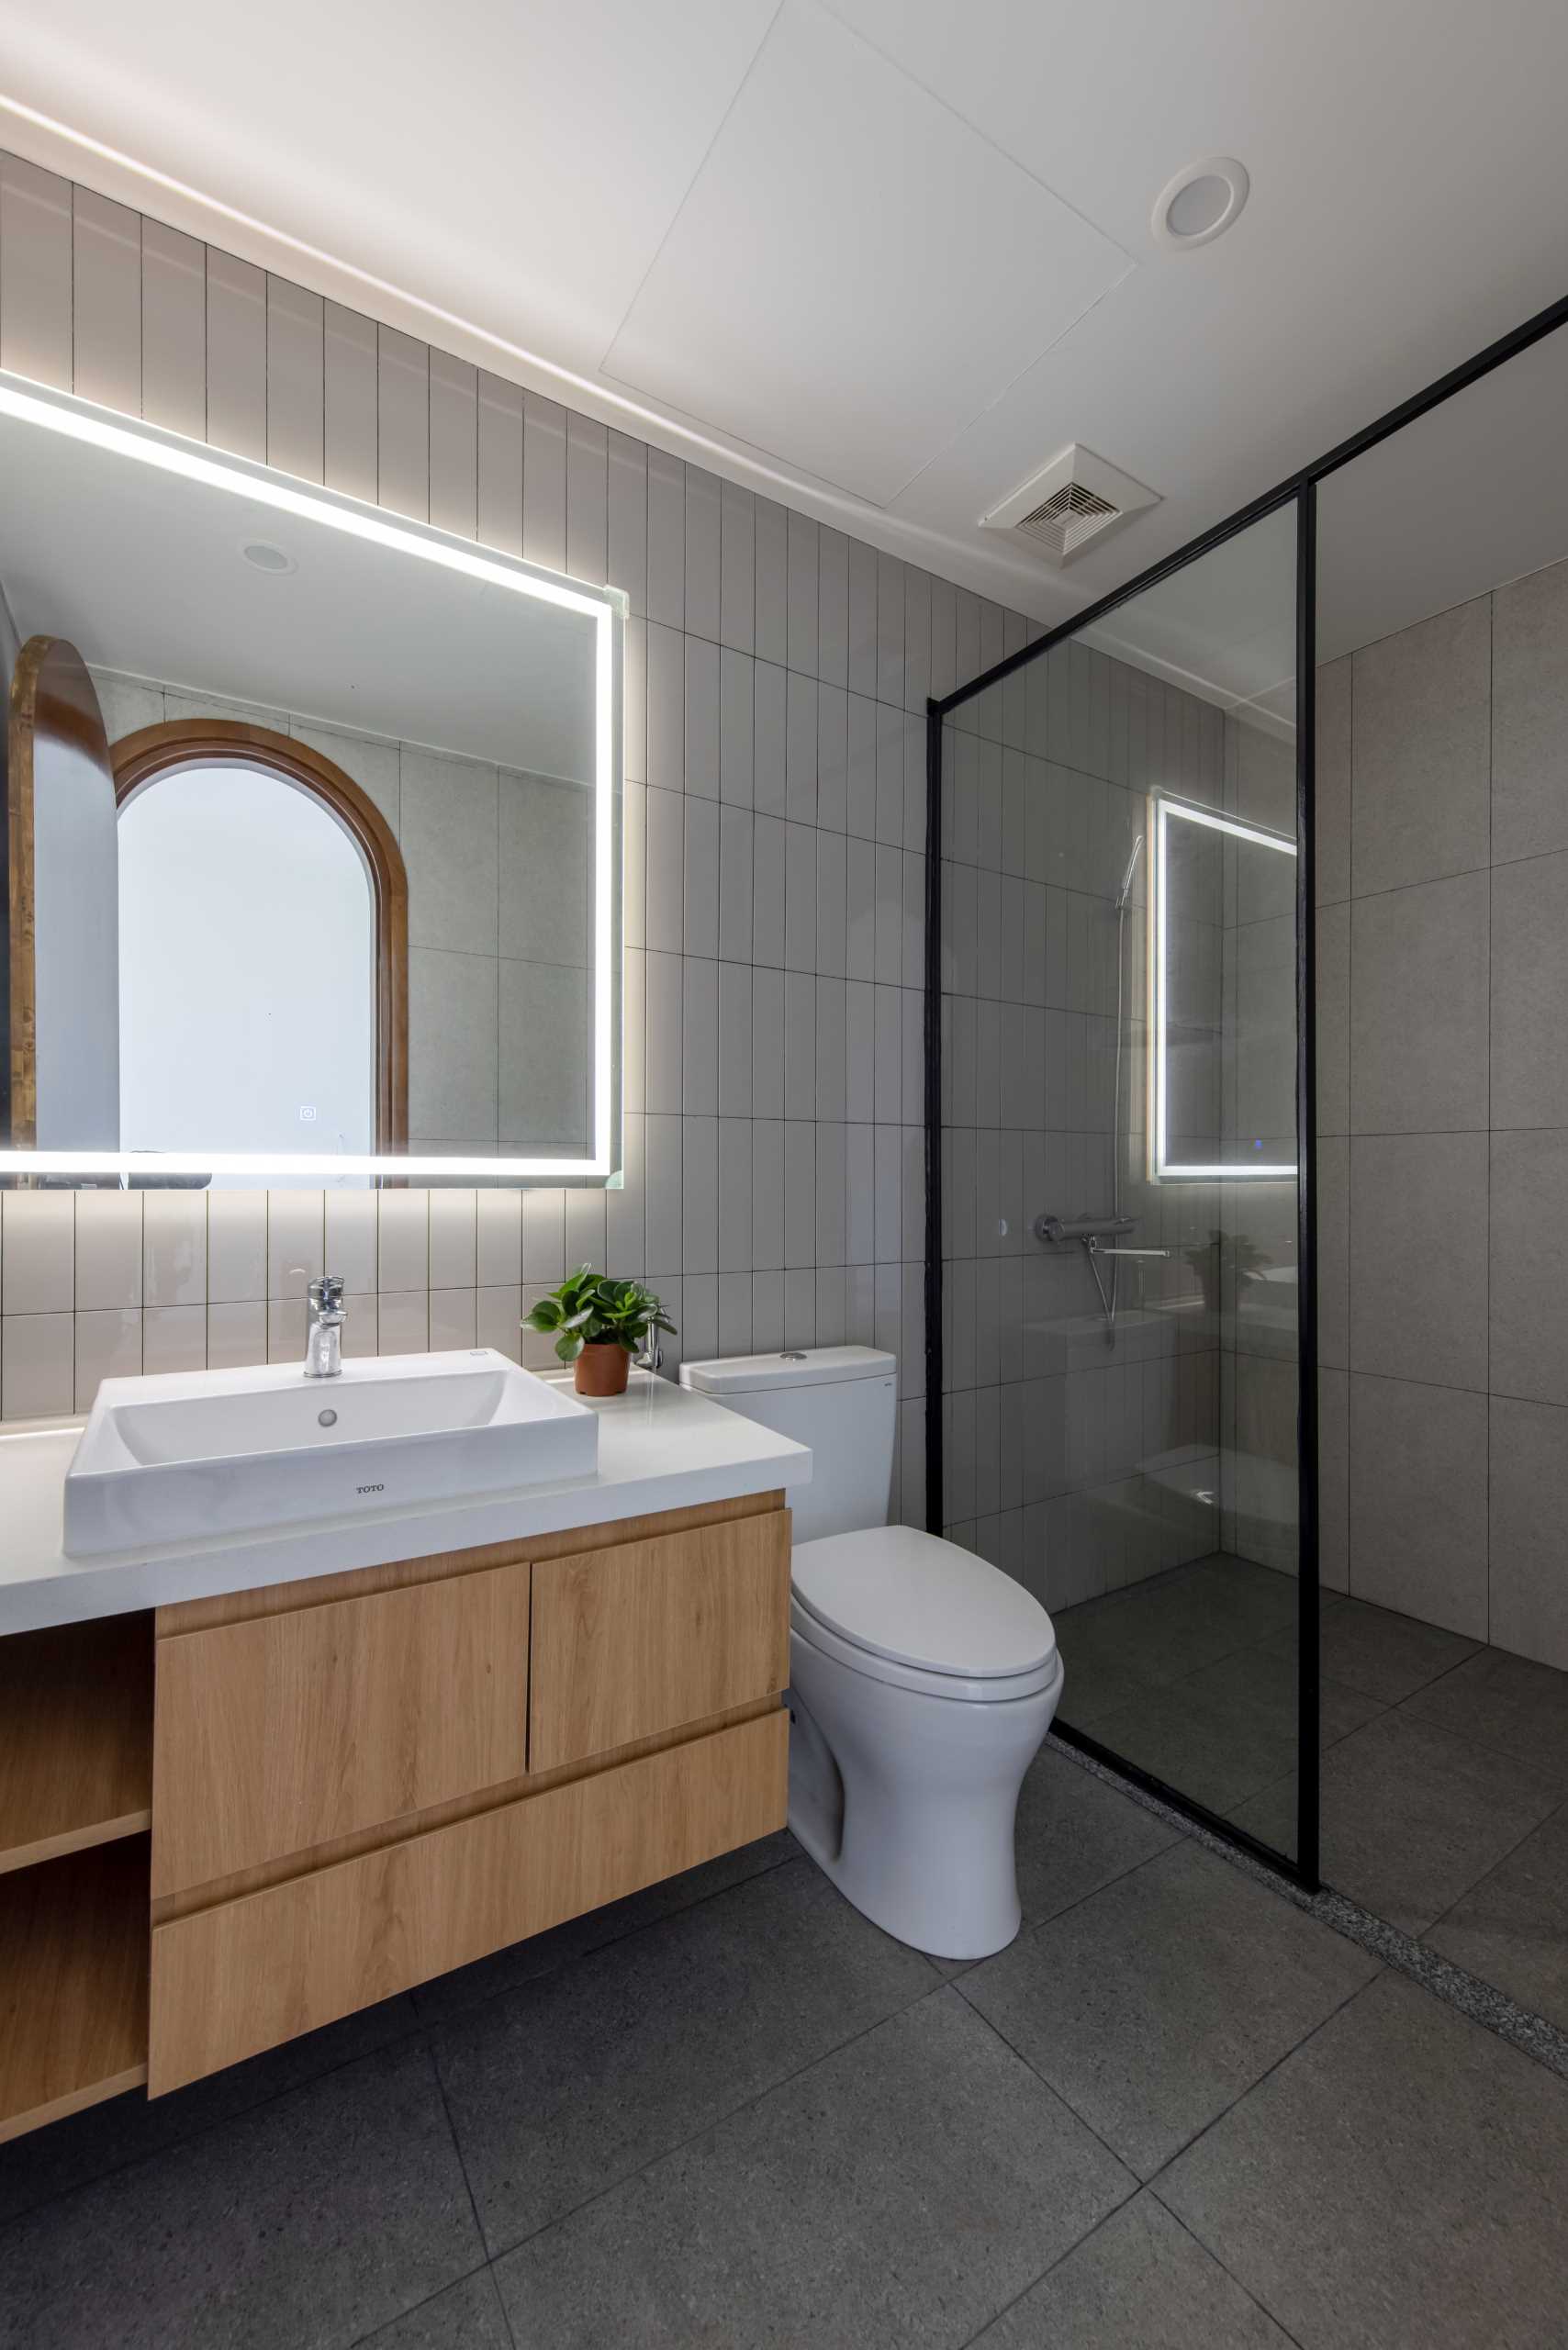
point(249, 1785)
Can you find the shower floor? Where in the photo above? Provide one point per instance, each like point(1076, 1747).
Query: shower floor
point(1444, 1763)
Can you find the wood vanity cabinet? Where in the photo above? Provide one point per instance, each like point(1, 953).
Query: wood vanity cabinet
point(356, 1783)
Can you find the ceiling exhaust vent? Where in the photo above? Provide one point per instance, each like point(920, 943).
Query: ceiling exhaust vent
point(1070, 504)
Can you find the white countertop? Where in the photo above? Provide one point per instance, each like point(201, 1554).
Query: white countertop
point(660, 1448)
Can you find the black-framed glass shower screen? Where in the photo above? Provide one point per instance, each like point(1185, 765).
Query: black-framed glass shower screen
point(1119, 1056)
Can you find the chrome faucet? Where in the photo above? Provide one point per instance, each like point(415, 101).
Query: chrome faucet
point(324, 1340)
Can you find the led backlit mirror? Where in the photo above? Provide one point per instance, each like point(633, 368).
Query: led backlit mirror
point(313, 830)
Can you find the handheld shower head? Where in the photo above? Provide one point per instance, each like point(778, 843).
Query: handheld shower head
point(1123, 893)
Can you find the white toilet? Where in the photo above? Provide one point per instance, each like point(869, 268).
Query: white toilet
point(922, 1678)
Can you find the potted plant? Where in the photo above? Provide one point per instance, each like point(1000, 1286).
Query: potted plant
point(598, 1326)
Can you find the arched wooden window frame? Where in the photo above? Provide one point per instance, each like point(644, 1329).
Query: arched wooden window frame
point(139, 758)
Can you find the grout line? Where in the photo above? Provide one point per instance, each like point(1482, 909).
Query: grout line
point(365, 2341)
point(1482, 2002)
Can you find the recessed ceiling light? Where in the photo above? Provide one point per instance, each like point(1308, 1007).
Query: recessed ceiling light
point(1200, 202)
point(265, 556)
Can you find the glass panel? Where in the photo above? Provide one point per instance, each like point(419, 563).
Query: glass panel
point(1120, 1225)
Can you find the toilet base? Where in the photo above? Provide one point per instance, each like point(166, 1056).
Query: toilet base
point(907, 1802)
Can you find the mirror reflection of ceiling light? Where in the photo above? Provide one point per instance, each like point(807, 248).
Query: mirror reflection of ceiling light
point(1200, 202)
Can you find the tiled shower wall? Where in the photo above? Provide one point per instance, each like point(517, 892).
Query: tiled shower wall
point(1443, 954)
point(776, 675)
point(1075, 1462)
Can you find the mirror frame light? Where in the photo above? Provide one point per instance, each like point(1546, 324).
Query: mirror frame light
point(1161, 1168)
point(606, 606)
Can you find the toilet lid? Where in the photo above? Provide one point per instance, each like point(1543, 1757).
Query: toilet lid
point(917, 1600)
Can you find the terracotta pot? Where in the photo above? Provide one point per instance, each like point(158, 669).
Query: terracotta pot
point(602, 1369)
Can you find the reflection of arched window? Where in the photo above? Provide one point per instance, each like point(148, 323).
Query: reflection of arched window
point(264, 946)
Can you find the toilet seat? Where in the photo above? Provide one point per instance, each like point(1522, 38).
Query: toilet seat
point(909, 1609)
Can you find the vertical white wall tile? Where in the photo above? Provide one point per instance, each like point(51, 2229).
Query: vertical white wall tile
point(497, 1314)
point(800, 1192)
point(351, 454)
point(402, 389)
point(588, 499)
point(802, 624)
point(663, 919)
point(403, 1254)
point(800, 897)
point(173, 330)
point(35, 273)
point(662, 1140)
point(666, 540)
point(349, 1243)
point(544, 1236)
point(799, 1045)
point(39, 1270)
point(403, 1318)
point(737, 569)
point(498, 465)
point(295, 1242)
point(585, 1221)
point(453, 445)
point(173, 1338)
point(452, 1318)
point(173, 1236)
point(700, 718)
point(734, 1291)
point(699, 1040)
point(699, 1195)
point(734, 1178)
point(767, 891)
point(296, 379)
point(108, 1346)
point(832, 608)
point(662, 1085)
point(627, 558)
point(831, 922)
point(108, 1249)
point(497, 1240)
point(543, 481)
point(453, 1234)
point(833, 752)
point(889, 629)
point(772, 534)
point(862, 676)
point(236, 354)
point(767, 1311)
point(237, 1249)
point(800, 749)
point(768, 1043)
point(701, 874)
point(736, 673)
point(702, 536)
point(737, 1039)
point(106, 290)
point(236, 1333)
point(36, 1354)
point(770, 738)
point(666, 708)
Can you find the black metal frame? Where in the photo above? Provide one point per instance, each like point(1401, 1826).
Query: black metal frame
point(1299, 489)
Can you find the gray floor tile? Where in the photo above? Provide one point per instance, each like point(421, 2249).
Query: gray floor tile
point(900, 2193)
point(1266, 1682)
point(1502, 1701)
point(107, 2137)
point(1512, 1927)
point(1411, 1817)
point(470, 1986)
point(1384, 1655)
point(573, 2081)
point(467, 2316)
point(1395, 2184)
point(1075, 1834)
point(1154, 2005)
point(1142, 2280)
point(1215, 1746)
point(308, 2223)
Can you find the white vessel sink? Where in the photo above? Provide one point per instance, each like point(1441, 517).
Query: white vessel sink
point(207, 1452)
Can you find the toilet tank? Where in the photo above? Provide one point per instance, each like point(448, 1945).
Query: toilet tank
point(842, 1401)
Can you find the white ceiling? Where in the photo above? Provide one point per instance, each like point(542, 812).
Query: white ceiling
point(884, 256)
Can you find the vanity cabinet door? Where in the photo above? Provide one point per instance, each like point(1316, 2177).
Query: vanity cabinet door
point(641, 1639)
point(285, 1730)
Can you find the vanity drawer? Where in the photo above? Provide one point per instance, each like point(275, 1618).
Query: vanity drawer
point(239, 1977)
point(631, 1641)
point(285, 1730)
